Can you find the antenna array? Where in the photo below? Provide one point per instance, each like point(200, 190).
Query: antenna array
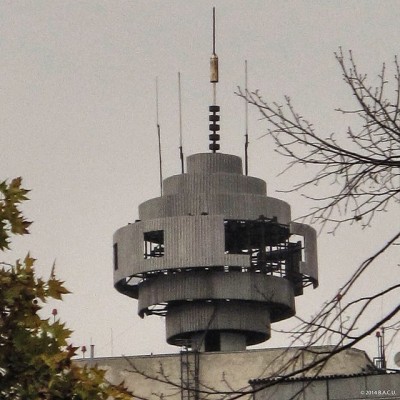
point(214, 109)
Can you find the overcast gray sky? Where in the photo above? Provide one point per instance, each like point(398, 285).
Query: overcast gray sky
point(77, 112)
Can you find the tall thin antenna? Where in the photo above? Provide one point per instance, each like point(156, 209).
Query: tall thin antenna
point(112, 342)
point(214, 65)
point(246, 143)
point(213, 30)
point(180, 125)
point(159, 136)
point(214, 109)
point(91, 351)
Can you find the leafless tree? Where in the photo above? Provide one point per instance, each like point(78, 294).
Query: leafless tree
point(365, 164)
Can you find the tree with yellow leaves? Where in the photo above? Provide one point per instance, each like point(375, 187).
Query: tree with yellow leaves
point(35, 356)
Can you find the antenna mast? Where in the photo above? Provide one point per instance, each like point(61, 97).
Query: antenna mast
point(246, 143)
point(214, 109)
point(180, 125)
point(159, 136)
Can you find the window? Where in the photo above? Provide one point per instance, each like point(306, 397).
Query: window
point(237, 237)
point(263, 239)
point(153, 244)
point(212, 341)
point(115, 253)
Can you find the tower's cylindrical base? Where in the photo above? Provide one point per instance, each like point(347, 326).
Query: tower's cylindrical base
point(215, 325)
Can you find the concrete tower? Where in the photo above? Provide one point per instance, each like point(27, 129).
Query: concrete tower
point(214, 254)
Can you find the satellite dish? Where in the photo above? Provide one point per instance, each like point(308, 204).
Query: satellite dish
point(397, 359)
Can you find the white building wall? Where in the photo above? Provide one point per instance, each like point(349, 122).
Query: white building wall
point(382, 387)
point(156, 376)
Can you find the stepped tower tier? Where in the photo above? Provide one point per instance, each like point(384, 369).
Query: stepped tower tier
point(215, 255)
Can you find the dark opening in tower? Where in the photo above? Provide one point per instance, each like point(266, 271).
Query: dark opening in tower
point(153, 244)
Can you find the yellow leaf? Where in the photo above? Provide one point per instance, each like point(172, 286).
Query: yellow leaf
point(29, 262)
point(56, 289)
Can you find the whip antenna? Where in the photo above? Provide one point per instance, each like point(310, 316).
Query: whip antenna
point(180, 126)
point(246, 143)
point(159, 137)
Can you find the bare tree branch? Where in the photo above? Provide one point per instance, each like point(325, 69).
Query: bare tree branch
point(365, 164)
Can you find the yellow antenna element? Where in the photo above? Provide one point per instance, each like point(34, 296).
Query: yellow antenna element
point(214, 68)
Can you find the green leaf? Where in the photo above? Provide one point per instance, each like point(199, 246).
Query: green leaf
point(55, 288)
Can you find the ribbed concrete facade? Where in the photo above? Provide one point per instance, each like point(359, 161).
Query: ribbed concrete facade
point(214, 255)
point(349, 374)
point(378, 386)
